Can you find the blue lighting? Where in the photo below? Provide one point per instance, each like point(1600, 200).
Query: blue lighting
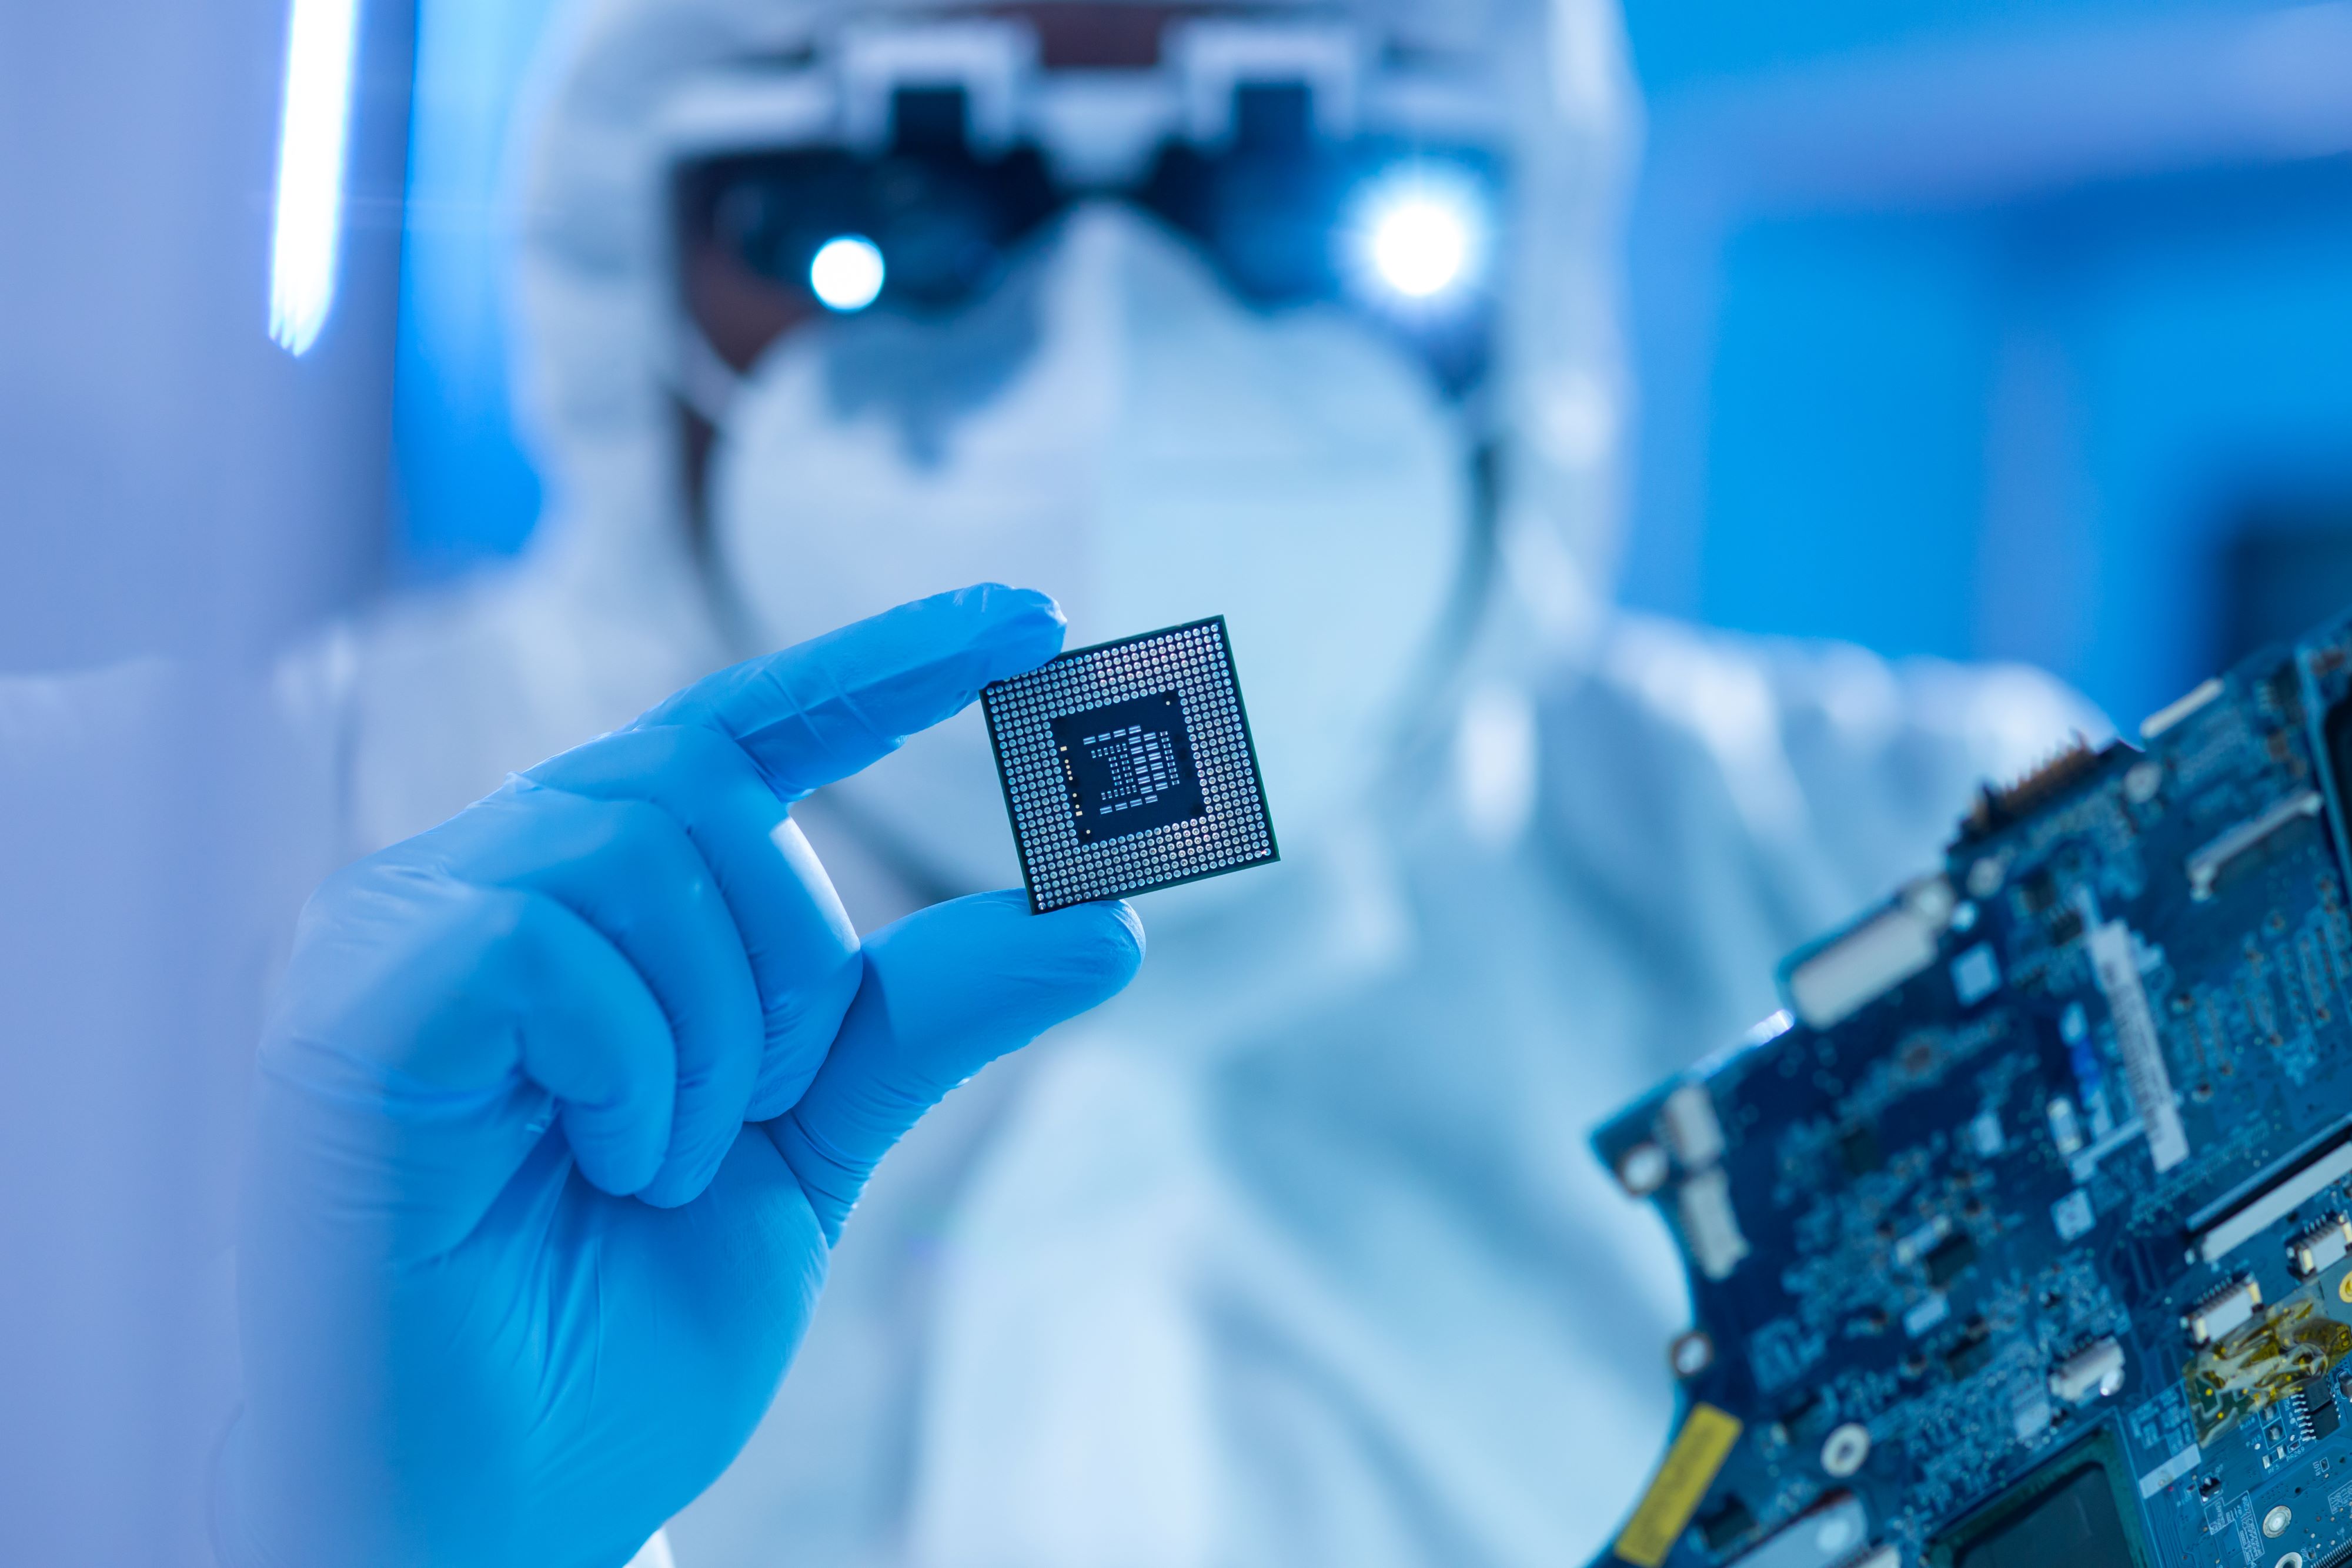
point(847, 272)
point(1422, 234)
point(322, 36)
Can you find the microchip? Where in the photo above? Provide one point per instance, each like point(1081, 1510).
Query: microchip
point(1969, 1353)
point(2072, 1524)
point(1726, 1524)
point(1128, 767)
point(2319, 1410)
point(1951, 1255)
point(1858, 1150)
point(1801, 1408)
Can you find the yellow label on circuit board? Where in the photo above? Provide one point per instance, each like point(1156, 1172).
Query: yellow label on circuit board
point(1698, 1452)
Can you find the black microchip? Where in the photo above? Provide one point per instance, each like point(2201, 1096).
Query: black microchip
point(1858, 1150)
point(2319, 1410)
point(1803, 1406)
point(1969, 1353)
point(2064, 926)
point(1726, 1524)
point(1128, 767)
point(2074, 1524)
point(1950, 1256)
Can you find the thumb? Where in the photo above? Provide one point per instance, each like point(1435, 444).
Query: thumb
point(947, 990)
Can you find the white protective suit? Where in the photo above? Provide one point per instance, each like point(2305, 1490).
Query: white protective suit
point(1295, 1253)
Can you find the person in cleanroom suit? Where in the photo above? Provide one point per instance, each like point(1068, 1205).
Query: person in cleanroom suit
point(1294, 1251)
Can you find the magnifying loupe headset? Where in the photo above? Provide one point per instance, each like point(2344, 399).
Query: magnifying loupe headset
point(900, 166)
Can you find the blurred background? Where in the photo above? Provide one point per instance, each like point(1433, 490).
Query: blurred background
point(1971, 328)
point(2015, 329)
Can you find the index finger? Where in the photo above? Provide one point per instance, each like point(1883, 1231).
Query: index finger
point(823, 709)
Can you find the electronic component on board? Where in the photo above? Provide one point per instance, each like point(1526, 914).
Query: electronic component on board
point(2096, 1370)
point(2321, 1247)
point(2023, 1237)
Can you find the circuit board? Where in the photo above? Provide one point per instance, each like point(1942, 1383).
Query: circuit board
point(2020, 1238)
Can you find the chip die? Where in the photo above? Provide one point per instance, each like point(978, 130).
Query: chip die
point(1128, 767)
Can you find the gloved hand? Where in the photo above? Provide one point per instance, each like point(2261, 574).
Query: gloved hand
point(566, 1100)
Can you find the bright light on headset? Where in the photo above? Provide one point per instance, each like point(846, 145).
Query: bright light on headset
point(1421, 232)
point(847, 272)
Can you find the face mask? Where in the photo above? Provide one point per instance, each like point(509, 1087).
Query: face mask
point(1110, 428)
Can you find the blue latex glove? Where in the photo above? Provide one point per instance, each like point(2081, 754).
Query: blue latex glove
point(517, 1279)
